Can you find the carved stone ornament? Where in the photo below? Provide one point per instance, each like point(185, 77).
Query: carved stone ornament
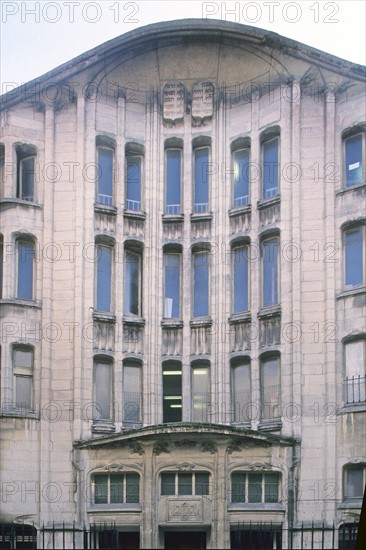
point(136, 447)
point(185, 443)
point(185, 511)
point(173, 101)
point(185, 466)
point(234, 447)
point(202, 100)
point(114, 468)
point(161, 447)
point(208, 447)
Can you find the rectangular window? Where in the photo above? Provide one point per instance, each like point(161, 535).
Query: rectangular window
point(173, 181)
point(2, 165)
point(355, 363)
point(354, 482)
point(172, 263)
point(270, 251)
point(240, 279)
point(185, 484)
point(26, 178)
point(270, 389)
point(132, 394)
point(354, 165)
point(26, 257)
point(254, 487)
point(200, 284)
point(132, 303)
point(354, 258)
point(23, 378)
point(105, 176)
point(241, 396)
point(172, 392)
point(201, 180)
point(270, 168)
point(241, 177)
point(200, 394)
point(104, 278)
point(133, 182)
point(103, 380)
point(116, 488)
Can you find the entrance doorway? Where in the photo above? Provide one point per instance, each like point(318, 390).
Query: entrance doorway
point(185, 540)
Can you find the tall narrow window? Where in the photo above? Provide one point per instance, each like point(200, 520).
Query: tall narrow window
point(240, 391)
point(103, 391)
point(270, 389)
point(25, 177)
point(270, 272)
point(132, 393)
point(201, 180)
point(172, 392)
point(132, 303)
point(173, 181)
point(240, 278)
point(2, 165)
point(355, 367)
point(241, 177)
point(23, 378)
point(104, 278)
point(200, 393)
point(172, 267)
point(270, 168)
point(26, 256)
point(200, 284)
point(105, 176)
point(354, 170)
point(354, 482)
point(354, 257)
point(133, 182)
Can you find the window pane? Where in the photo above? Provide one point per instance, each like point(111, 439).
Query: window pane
point(241, 177)
point(238, 487)
point(202, 482)
point(23, 358)
point(172, 393)
point(270, 273)
point(200, 284)
point(132, 394)
point(354, 258)
point(168, 484)
point(270, 169)
point(354, 483)
point(241, 393)
point(240, 266)
point(354, 160)
point(270, 390)
point(254, 487)
point(116, 481)
point(184, 484)
point(132, 283)
point(271, 487)
point(173, 177)
point(133, 184)
point(27, 178)
point(23, 392)
point(103, 384)
point(101, 489)
point(355, 384)
point(201, 176)
point(105, 176)
point(104, 278)
point(172, 285)
point(132, 488)
point(25, 270)
point(200, 394)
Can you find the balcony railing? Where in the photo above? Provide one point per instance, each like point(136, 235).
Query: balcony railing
point(271, 192)
point(241, 201)
point(133, 205)
point(201, 207)
point(172, 209)
point(355, 389)
point(106, 200)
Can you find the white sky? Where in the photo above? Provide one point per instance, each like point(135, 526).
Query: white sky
point(37, 36)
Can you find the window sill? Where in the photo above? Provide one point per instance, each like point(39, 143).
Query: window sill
point(270, 425)
point(135, 214)
point(202, 217)
point(20, 202)
point(171, 322)
point(267, 312)
point(103, 316)
point(21, 303)
point(170, 218)
point(346, 504)
point(347, 408)
point(104, 209)
point(121, 507)
point(134, 320)
point(265, 203)
point(19, 413)
point(351, 292)
point(233, 212)
point(243, 425)
point(258, 506)
point(357, 187)
point(201, 322)
point(244, 317)
point(103, 426)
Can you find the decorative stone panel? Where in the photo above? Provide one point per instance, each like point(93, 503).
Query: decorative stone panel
point(172, 230)
point(105, 222)
point(240, 335)
point(270, 330)
point(201, 335)
point(134, 225)
point(240, 221)
point(201, 226)
point(269, 212)
point(172, 340)
point(104, 335)
point(133, 337)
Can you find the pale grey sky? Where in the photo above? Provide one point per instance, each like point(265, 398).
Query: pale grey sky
point(37, 36)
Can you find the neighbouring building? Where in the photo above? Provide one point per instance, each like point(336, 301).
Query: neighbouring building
point(183, 295)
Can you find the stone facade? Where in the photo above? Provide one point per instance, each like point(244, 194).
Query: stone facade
point(183, 405)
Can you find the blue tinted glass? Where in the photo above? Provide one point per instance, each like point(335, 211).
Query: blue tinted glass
point(27, 175)
point(241, 177)
point(25, 270)
point(354, 258)
point(240, 279)
point(200, 284)
point(173, 172)
point(201, 175)
point(105, 176)
point(104, 278)
point(132, 284)
point(102, 382)
point(133, 187)
point(270, 273)
point(270, 169)
point(354, 161)
point(172, 286)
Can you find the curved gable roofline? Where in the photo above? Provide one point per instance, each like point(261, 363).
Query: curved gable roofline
point(185, 28)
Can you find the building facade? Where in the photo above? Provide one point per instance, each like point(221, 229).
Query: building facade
point(183, 295)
